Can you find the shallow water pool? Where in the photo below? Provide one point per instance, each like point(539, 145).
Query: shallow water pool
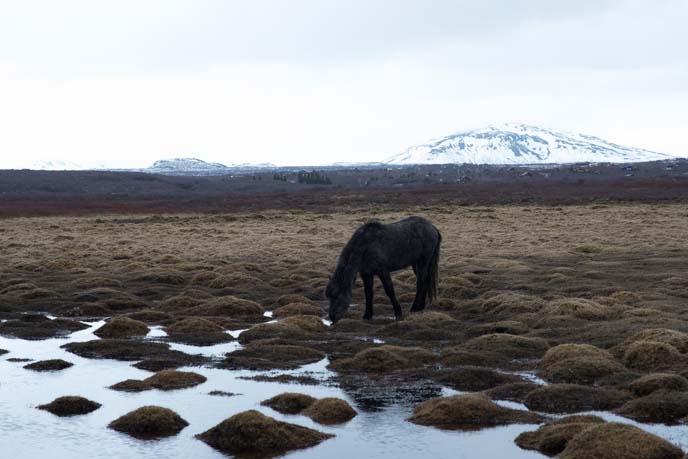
point(27, 433)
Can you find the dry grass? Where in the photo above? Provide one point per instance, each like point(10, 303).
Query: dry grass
point(251, 433)
point(70, 405)
point(149, 422)
point(468, 412)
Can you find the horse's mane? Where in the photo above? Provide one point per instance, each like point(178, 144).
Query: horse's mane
point(373, 223)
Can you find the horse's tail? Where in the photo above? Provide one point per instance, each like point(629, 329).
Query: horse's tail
point(434, 271)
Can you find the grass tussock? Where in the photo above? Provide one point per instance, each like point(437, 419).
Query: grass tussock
point(70, 405)
point(251, 433)
point(163, 380)
point(551, 439)
point(122, 327)
point(468, 412)
point(385, 358)
point(289, 402)
point(513, 346)
point(226, 306)
point(612, 440)
point(49, 365)
point(149, 422)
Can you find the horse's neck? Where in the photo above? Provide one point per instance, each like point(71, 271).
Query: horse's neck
point(346, 271)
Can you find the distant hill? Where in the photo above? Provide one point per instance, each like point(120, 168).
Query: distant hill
point(521, 144)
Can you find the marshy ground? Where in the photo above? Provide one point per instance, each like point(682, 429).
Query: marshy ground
point(546, 311)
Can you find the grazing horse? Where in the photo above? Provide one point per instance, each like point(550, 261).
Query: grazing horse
point(377, 249)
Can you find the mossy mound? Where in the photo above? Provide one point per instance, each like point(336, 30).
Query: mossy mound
point(233, 279)
point(161, 276)
point(204, 278)
point(292, 298)
point(512, 346)
point(578, 364)
point(156, 365)
point(573, 398)
point(38, 326)
point(226, 306)
point(652, 356)
point(661, 406)
point(293, 327)
point(289, 402)
point(193, 325)
point(197, 331)
point(431, 318)
point(330, 411)
point(122, 327)
point(468, 412)
point(122, 349)
point(469, 378)
point(563, 352)
point(383, 359)
point(513, 392)
point(552, 438)
point(85, 283)
point(252, 434)
point(577, 307)
point(511, 327)
point(150, 316)
point(613, 440)
point(112, 299)
point(162, 380)
point(298, 309)
point(459, 356)
point(625, 297)
point(179, 302)
point(677, 339)
point(426, 328)
point(70, 405)
point(149, 422)
point(510, 303)
point(458, 292)
point(641, 312)
point(49, 365)
point(262, 356)
point(648, 384)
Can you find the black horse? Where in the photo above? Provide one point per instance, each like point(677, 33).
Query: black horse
point(377, 249)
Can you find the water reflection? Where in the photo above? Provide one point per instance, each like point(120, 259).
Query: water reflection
point(28, 433)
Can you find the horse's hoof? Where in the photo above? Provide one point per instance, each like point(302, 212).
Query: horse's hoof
point(414, 309)
point(368, 317)
point(399, 317)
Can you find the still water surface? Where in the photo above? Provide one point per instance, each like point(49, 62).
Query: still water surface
point(28, 433)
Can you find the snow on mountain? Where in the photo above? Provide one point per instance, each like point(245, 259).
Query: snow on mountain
point(193, 166)
point(185, 165)
point(52, 165)
point(513, 143)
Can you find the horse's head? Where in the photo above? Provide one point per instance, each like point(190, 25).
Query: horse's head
point(340, 299)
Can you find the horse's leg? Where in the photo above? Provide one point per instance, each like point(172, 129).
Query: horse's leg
point(389, 290)
point(368, 290)
point(421, 287)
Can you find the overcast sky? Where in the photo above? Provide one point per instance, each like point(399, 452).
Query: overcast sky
point(126, 82)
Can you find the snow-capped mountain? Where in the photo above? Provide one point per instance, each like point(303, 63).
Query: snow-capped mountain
point(185, 165)
point(194, 166)
point(513, 143)
point(52, 165)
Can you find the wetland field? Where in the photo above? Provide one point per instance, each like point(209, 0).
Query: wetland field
point(558, 331)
